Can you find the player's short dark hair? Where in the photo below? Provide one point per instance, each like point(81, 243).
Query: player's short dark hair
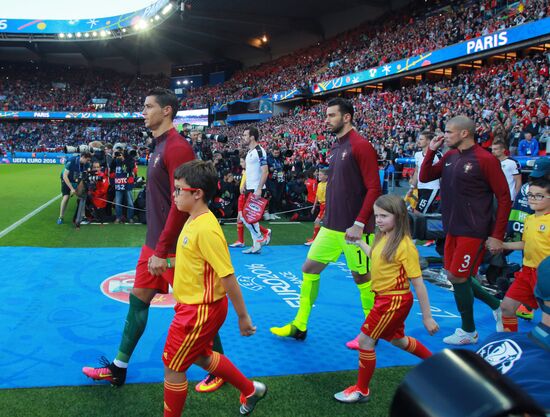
point(199, 174)
point(344, 106)
point(500, 142)
point(165, 97)
point(86, 155)
point(252, 131)
point(428, 134)
point(540, 182)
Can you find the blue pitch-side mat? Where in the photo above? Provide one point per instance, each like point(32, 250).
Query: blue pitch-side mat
point(54, 318)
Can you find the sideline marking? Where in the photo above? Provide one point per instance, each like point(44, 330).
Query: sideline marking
point(28, 216)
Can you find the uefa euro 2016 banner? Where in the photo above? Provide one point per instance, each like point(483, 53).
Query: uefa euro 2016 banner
point(35, 158)
point(538, 29)
point(90, 24)
point(43, 158)
point(69, 115)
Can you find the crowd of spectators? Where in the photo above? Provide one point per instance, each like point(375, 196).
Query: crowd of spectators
point(509, 100)
point(413, 31)
point(55, 136)
point(46, 87)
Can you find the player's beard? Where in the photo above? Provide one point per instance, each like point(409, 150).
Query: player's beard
point(454, 145)
point(338, 128)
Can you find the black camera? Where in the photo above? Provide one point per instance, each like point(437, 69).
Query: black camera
point(130, 153)
point(217, 138)
point(89, 179)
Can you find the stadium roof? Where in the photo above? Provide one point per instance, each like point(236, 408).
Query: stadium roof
point(208, 31)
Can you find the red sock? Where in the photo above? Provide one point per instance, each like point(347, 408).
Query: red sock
point(240, 231)
point(174, 398)
point(316, 229)
point(223, 368)
point(510, 324)
point(367, 363)
point(263, 230)
point(417, 348)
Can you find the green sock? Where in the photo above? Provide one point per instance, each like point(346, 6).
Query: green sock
point(308, 295)
point(217, 344)
point(481, 294)
point(136, 320)
point(367, 297)
point(464, 298)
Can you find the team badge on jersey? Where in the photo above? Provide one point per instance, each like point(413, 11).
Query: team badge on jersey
point(501, 354)
point(468, 167)
point(156, 161)
point(542, 228)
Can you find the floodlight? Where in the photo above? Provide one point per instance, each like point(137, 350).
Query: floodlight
point(167, 9)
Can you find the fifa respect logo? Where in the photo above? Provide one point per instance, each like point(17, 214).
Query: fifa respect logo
point(118, 287)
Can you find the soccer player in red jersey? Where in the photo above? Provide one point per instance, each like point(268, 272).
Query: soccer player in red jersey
point(353, 186)
point(470, 178)
point(164, 222)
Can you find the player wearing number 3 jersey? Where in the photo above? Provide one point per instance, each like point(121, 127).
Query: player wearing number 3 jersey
point(470, 176)
point(352, 188)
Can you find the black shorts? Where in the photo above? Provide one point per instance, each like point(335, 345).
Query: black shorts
point(428, 200)
point(64, 189)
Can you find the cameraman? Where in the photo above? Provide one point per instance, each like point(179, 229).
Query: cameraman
point(275, 181)
point(70, 176)
point(122, 171)
point(97, 191)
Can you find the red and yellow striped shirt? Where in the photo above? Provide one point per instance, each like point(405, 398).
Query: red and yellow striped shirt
point(202, 259)
point(394, 276)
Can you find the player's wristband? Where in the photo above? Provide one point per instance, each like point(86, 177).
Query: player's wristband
point(168, 262)
point(356, 223)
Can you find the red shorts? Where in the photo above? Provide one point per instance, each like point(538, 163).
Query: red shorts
point(523, 287)
point(240, 202)
point(321, 212)
point(463, 255)
point(145, 280)
point(192, 333)
point(386, 320)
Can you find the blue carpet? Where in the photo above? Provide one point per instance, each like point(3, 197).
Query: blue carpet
point(54, 318)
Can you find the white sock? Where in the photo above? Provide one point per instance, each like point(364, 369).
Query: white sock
point(120, 364)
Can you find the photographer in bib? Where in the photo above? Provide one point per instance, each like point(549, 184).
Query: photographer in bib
point(70, 177)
